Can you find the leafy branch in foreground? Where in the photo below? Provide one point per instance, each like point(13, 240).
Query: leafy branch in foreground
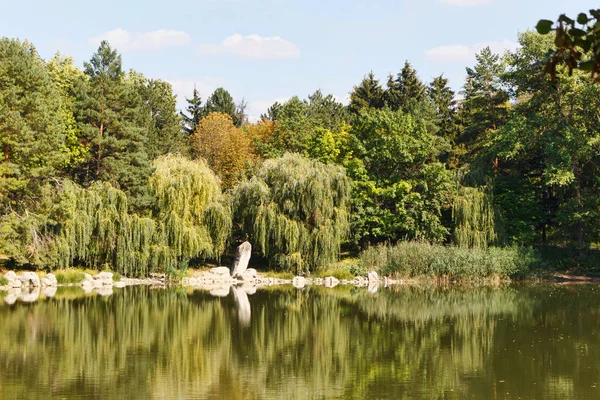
point(575, 40)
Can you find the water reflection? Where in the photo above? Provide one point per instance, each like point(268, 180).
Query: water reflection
point(454, 343)
point(242, 304)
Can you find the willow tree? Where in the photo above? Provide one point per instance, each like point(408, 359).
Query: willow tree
point(295, 211)
point(194, 219)
point(96, 230)
point(191, 220)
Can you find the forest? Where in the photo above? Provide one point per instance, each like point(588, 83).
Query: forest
point(100, 169)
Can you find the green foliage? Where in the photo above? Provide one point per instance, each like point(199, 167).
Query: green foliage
point(113, 121)
point(3, 281)
point(195, 112)
point(294, 211)
point(32, 142)
point(417, 259)
point(222, 102)
point(399, 187)
point(338, 273)
point(369, 94)
point(577, 43)
point(474, 217)
point(195, 220)
point(69, 277)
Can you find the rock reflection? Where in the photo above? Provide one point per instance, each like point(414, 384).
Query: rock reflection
point(242, 304)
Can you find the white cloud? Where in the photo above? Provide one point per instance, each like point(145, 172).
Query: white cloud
point(252, 46)
point(142, 41)
point(465, 3)
point(461, 53)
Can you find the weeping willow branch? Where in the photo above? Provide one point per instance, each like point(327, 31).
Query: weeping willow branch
point(295, 210)
point(473, 213)
point(191, 220)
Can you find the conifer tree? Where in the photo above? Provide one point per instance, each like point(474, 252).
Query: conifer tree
point(115, 127)
point(195, 112)
point(222, 102)
point(369, 94)
point(442, 97)
point(31, 126)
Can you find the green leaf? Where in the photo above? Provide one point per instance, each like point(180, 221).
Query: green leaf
point(544, 26)
point(577, 32)
point(582, 18)
point(566, 20)
point(586, 65)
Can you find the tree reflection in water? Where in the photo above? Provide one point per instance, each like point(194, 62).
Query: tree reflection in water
point(408, 342)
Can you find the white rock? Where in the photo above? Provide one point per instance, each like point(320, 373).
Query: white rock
point(373, 277)
point(330, 282)
point(299, 282)
point(11, 276)
point(104, 276)
point(220, 271)
point(252, 272)
point(52, 279)
point(119, 284)
point(88, 278)
point(15, 284)
point(242, 258)
point(46, 282)
point(29, 279)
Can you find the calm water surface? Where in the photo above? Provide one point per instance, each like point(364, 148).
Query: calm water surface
point(514, 342)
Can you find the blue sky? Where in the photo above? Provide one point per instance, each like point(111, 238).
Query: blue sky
point(267, 50)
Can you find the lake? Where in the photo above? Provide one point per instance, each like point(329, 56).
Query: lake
point(509, 342)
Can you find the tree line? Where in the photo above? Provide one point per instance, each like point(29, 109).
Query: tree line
point(100, 169)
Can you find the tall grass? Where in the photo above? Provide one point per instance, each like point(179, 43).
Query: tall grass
point(416, 259)
point(69, 276)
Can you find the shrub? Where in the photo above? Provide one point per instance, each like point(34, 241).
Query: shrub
point(416, 259)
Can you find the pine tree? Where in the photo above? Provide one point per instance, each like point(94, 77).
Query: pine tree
point(411, 91)
point(194, 114)
point(222, 102)
point(32, 141)
point(115, 127)
point(442, 97)
point(485, 105)
point(369, 94)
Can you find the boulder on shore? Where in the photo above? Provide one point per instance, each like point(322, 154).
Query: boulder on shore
point(242, 258)
point(104, 276)
point(29, 279)
point(220, 271)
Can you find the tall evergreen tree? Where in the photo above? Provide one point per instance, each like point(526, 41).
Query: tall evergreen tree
point(369, 94)
point(222, 102)
point(31, 125)
point(195, 112)
point(115, 127)
point(325, 111)
point(160, 104)
point(442, 97)
point(485, 105)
